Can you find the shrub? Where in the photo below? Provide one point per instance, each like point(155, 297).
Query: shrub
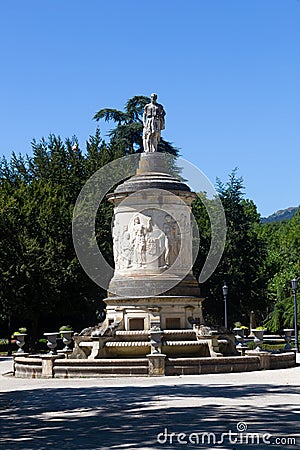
point(66, 328)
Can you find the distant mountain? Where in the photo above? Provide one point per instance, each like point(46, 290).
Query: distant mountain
point(282, 214)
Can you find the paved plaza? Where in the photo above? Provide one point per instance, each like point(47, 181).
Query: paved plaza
point(206, 411)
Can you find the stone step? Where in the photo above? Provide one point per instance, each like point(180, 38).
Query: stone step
point(179, 335)
point(186, 343)
point(101, 367)
point(132, 333)
point(179, 332)
point(80, 371)
point(195, 366)
point(122, 362)
point(127, 344)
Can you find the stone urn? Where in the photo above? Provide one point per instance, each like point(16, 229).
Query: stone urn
point(20, 341)
point(239, 336)
point(258, 338)
point(51, 342)
point(155, 339)
point(67, 339)
point(288, 337)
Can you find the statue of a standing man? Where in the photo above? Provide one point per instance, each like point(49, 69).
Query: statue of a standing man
point(154, 122)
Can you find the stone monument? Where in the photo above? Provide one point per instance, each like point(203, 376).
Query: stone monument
point(153, 301)
point(153, 283)
point(154, 324)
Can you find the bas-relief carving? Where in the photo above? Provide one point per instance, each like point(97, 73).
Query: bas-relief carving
point(126, 249)
point(139, 242)
point(156, 247)
point(142, 244)
point(185, 253)
point(116, 243)
point(171, 230)
point(148, 243)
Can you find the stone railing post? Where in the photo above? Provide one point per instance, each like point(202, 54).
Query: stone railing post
point(265, 360)
point(48, 362)
point(48, 366)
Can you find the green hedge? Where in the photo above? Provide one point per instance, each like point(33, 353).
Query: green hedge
point(267, 347)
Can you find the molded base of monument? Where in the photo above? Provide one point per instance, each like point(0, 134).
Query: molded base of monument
point(134, 286)
point(165, 312)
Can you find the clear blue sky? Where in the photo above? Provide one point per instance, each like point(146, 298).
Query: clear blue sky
point(227, 72)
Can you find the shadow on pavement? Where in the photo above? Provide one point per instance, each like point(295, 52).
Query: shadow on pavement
point(131, 417)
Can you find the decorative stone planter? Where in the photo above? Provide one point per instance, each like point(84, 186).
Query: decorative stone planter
point(67, 339)
point(20, 341)
point(288, 337)
point(258, 338)
point(51, 342)
point(239, 336)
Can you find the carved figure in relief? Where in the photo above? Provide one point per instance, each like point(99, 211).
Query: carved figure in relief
point(150, 240)
point(185, 238)
point(144, 245)
point(126, 249)
point(156, 243)
point(116, 243)
point(139, 242)
point(176, 238)
point(171, 230)
point(184, 224)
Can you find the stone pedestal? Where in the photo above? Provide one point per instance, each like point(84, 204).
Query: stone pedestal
point(141, 313)
point(48, 365)
point(16, 355)
point(153, 237)
point(264, 357)
point(156, 364)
